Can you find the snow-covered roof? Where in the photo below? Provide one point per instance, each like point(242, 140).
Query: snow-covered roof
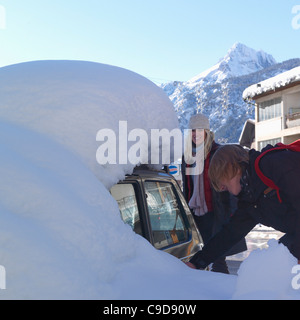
point(278, 82)
point(248, 134)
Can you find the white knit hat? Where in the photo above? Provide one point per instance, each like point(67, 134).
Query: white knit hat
point(199, 121)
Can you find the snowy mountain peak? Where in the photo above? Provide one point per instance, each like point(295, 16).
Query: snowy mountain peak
point(241, 54)
point(240, 60)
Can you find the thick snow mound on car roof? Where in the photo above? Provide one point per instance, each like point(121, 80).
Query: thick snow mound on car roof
point(70, 101)
point(61, 235)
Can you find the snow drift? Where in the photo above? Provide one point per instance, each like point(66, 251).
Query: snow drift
point(61, 236)
point(267, 274)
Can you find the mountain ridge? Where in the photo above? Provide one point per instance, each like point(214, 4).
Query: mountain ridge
point(218, 95)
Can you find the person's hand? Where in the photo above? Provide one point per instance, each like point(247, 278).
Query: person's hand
point(189, 264)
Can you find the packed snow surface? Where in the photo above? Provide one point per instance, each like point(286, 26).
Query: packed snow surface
point(61, 235)
point(273, 83)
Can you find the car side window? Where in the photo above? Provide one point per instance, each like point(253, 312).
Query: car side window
point(125, 196)
point(166, 218)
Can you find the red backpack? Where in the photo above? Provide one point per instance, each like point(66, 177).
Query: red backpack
point(295, 146)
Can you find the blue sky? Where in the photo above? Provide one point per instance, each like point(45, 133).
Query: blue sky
point(163, 40)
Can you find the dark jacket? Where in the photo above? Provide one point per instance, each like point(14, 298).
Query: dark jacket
point(254, 206)
point(223, 204)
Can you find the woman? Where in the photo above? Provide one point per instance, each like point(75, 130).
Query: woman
point(211, 210)
point(233, 169)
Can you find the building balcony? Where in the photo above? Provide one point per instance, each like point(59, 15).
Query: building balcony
point(293, 120)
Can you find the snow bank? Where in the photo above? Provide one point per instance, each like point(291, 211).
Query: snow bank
point(272, 84)
point(267, 275)
point(57, 237)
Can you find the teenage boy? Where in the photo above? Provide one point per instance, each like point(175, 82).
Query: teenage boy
point(232, 169)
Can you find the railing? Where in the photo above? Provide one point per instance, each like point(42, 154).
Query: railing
point(293, 120)
point(293, 116)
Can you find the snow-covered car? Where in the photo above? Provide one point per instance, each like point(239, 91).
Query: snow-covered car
point(152, 203)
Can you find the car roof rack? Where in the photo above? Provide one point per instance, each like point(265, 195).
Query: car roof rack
point(145, 167)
